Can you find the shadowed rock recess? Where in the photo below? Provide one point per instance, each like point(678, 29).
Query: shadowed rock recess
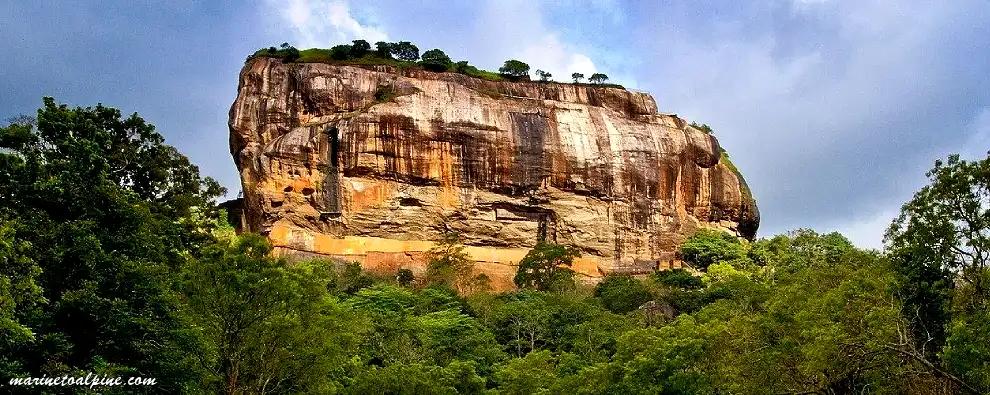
point(374, 164)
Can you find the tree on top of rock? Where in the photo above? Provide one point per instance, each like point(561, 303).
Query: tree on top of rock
point(598, 78)
point(404, 50)
point(359, 48)
point(340, 52)
point(544, 75)
point(514, 68)
point(383, 50)
point(436, 60)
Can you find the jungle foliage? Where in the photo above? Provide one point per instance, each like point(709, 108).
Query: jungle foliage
point(114, 260)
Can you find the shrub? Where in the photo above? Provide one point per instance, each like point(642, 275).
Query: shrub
point(384, 93)
point(621, 294)
point(463, 67)
point(703, 127)
point(677, 278)
point(708, 246)
point(352, 279)
point(340, 52)
point(404, 277)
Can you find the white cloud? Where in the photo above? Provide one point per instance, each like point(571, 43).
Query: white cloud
point(319, 23)
point(833, 115)
point(550, 55)
point(868, 232)
point(515, 29)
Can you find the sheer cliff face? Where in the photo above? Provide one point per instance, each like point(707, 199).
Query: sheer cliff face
point(374, 165)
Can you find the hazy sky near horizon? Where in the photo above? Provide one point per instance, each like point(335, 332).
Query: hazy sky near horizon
point(833, 110)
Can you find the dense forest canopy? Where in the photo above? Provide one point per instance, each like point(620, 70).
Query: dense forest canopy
point(114, 260)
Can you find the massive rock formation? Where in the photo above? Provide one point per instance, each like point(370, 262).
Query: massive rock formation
point(374, 164)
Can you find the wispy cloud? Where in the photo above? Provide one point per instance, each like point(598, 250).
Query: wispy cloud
point(319, 23)
point(517, 29)
point(833, 112)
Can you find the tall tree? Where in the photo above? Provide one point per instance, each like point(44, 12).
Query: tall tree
point(359, 48)
point(514, 69)
point(546, 267)
point(383, 50)
point(20, 297)
point(449, 265)
point(404, 50)
point(106, 210)
point(436, 60)
point(268, 327)
point(598, 78)
point(577, 77)
point(708, 246)
point(544, 76)
point(341, 52)
point(940, 244)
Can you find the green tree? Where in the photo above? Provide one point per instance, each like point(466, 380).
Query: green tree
point(703, 127)
point(20, 297)
point(707, 246)
point(827, 323)
point(268, 327)
point(514, 69)
point(351, 279)
point(340, 52)
point(622, 294)
point(449, 265)
point(383, 50)
point(966, 350)
point(546, 267)
point(359, 48)
point(534, 373)
point(682, 291)
point(290, 55)
point(462, 67)
point(598, 78)
point(544, 76)
point(436, 60)
point(106, 210)
point(940, 246)
point(577, 77)
point(404, 50)
point(429, 326)
point(456, 378)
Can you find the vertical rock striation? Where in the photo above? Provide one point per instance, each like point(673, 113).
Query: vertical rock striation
point(374, 164)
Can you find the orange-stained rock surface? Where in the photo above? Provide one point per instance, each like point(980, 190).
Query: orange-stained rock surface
point(373, 165)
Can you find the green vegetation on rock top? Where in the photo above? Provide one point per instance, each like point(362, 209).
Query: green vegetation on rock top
point(405, 56)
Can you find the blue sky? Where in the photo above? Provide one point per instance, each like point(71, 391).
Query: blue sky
point(832, 109)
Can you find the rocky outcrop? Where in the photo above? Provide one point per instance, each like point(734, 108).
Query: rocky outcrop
point(374, 164)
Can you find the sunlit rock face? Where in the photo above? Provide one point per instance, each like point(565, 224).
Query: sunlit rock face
point(374, 165)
